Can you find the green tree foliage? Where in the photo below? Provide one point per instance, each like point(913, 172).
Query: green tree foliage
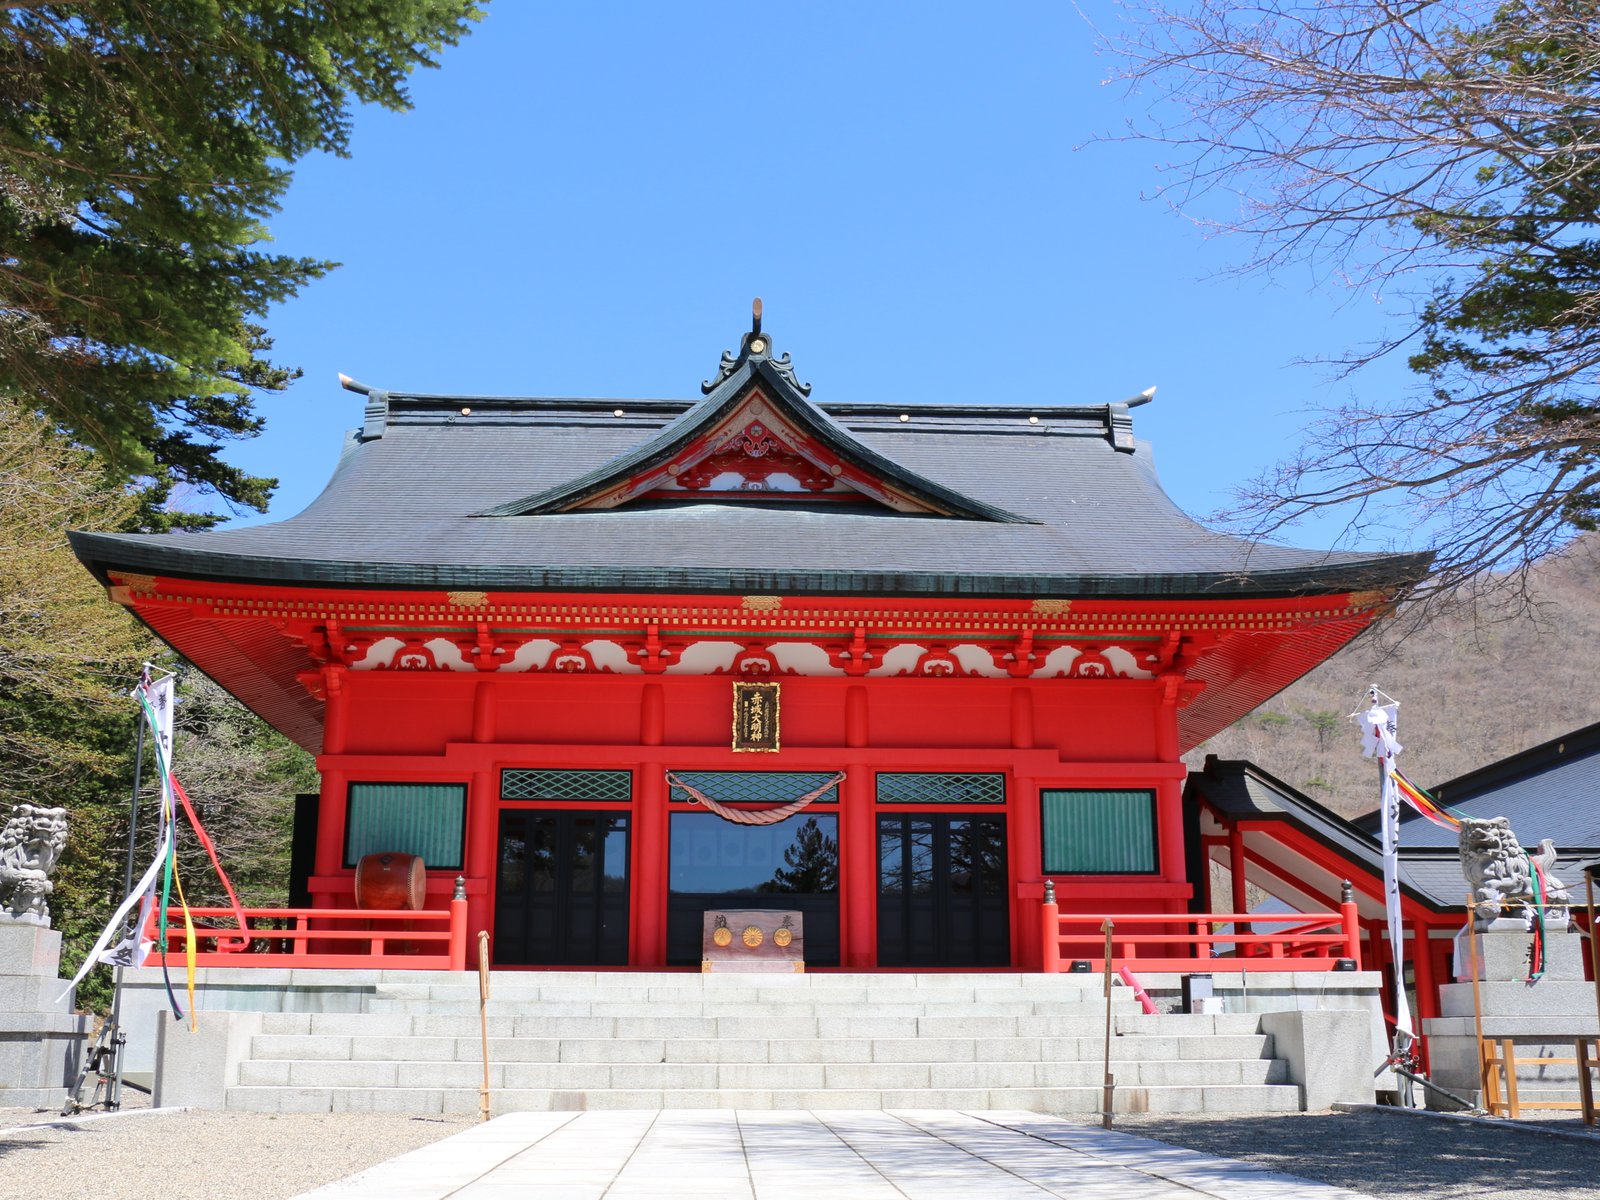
point(1445, 153)
point(63, 648)
point(67, 661)
point(66, 658)
point(1326, 722)
point(143, 143)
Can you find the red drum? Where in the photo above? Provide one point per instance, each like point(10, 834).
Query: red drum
point(390, 881)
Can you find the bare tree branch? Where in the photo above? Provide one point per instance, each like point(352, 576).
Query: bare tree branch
point(1448, 152)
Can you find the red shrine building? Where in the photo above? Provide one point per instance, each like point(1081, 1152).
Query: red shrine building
point(894, 666)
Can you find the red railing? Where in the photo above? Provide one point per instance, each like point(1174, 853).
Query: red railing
point(1147, 941)
point(357, 938)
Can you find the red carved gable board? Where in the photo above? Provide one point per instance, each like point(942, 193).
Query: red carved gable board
point(756, 450)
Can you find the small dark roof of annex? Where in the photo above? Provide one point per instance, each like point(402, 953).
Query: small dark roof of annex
point(1551, 790)
point(453, 492)
point(1429, 872)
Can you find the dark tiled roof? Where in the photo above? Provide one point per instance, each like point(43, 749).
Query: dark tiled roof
point(1074, 509)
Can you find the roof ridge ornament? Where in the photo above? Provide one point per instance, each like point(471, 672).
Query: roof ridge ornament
point(753, 347)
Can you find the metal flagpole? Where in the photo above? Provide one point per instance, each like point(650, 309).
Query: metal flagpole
point(109, 1041)
point(1379, 723)
point(114, 1098)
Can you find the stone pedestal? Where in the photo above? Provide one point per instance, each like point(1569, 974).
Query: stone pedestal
point(1541, 1018)
point(41, 1040)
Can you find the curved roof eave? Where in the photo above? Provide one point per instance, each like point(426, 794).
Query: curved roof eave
point(1388, 574)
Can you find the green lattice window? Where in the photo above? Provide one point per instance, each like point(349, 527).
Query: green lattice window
point(928, 787)
point(1089, 832)
point(755, 787)
point(599, 787)
point(425, 819)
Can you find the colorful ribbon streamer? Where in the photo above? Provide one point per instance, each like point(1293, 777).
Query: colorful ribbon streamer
point(1424, 803)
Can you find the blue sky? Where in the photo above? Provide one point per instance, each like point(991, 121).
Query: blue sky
point(586, 198)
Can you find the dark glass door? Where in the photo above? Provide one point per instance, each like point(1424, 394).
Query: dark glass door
point(792, 865)
point(561, 896)
point(942, 891)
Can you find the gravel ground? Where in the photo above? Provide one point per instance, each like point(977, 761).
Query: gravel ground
point(206, 1155)
point(267, 1156)
point(1398, 1156)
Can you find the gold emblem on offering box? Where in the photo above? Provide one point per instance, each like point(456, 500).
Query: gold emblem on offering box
point(753, 940)
point(755, 717)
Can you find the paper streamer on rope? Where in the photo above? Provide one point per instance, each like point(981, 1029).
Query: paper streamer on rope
point(141, 893)
point(1536, 951)
point(764, 816)
point(152, 894)
point(153, 697)
point(1379, 723)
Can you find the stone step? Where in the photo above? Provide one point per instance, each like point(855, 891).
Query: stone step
point(440, 983)
point(1239, 1098)
point(571, 1040)
point(805, 1076)
point(360, 1048)
point(716, 1008)
point(752, 993)
point(746, 1027)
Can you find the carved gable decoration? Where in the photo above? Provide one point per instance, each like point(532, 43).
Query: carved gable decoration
point(756, 435)
point(758, 452)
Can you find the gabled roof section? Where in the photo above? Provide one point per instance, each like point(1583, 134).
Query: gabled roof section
point(755, 437)
point(1241, 791)
point(1546, 791)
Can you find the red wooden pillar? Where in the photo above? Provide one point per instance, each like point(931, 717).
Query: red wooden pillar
point(483, 817)
point(647, 923)
point(335, 786)
point(858, 843)
point(1027, 867)
point(336, 710)
point(1236, 868)
point(1427, 988)
point(1169, 818)
point(650, 850)
point(859, 886)
point(483, 712)
point(330, 827)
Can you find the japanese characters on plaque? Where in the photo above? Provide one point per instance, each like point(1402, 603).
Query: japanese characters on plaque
point(755, 717)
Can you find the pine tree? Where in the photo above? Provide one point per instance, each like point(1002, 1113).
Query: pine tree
point(142, 147)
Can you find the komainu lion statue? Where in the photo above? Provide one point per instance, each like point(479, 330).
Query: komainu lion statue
point(30, 844)
point(1499, 871)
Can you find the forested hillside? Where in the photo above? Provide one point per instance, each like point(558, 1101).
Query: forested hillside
point(1470, 692)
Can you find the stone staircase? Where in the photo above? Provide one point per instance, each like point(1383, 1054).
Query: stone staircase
point(586, 1040)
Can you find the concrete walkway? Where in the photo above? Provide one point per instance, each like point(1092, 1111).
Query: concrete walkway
point(821, 1155)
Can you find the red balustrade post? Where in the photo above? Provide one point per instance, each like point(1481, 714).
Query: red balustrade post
point(1351, 920)
point(458, 926)
point(1051, 916)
